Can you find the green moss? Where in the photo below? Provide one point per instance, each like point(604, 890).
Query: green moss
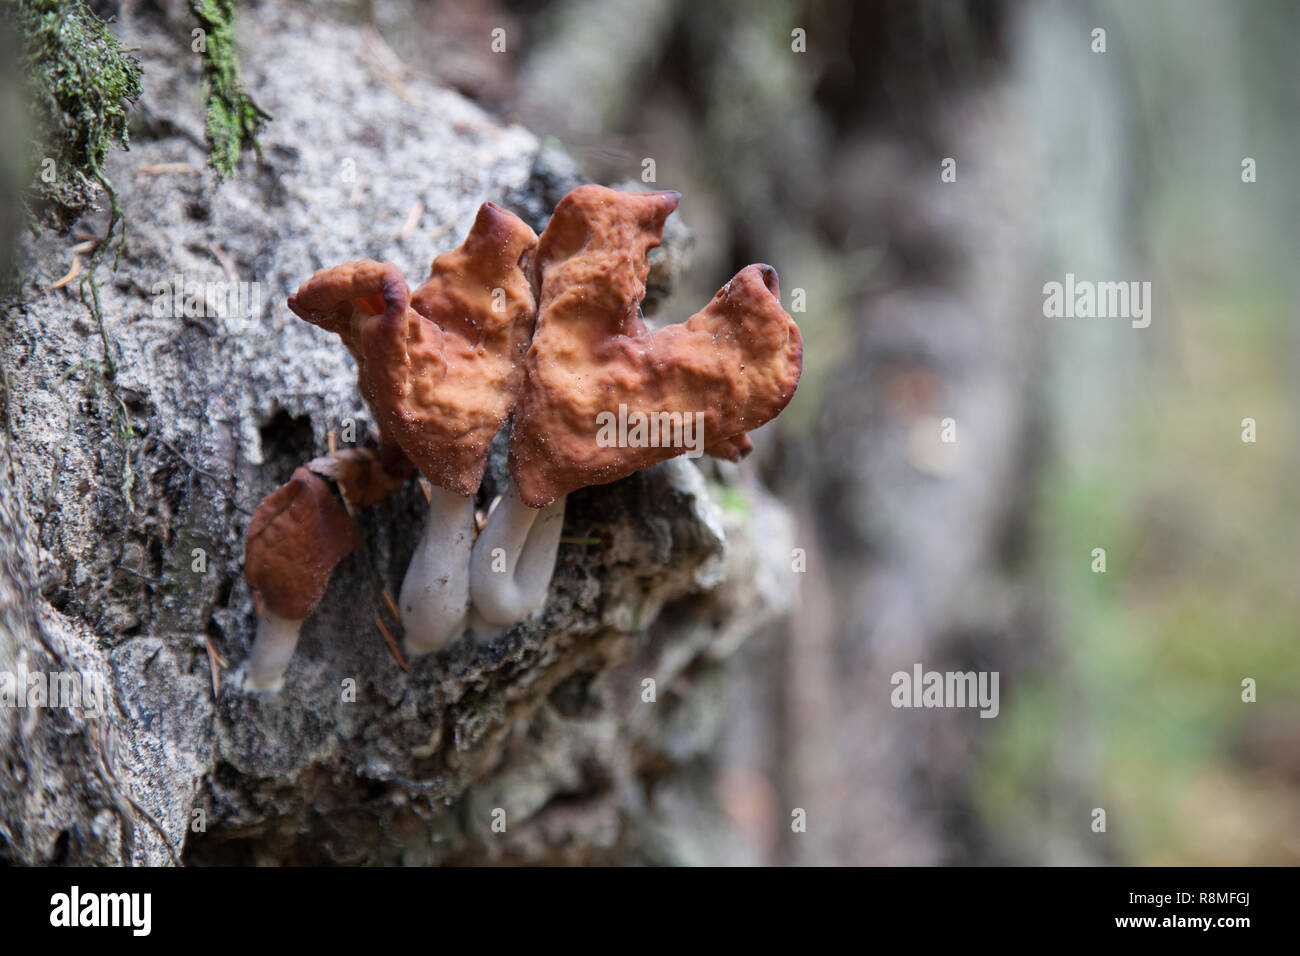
point(731, 500)
point(80, 84)
point(234, 120)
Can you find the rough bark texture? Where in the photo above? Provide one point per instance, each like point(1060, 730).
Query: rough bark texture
point(125, 496)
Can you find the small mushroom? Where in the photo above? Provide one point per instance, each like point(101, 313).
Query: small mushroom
point(298, 534)
point(365, 476)
point(440, 368)
point(731, 367)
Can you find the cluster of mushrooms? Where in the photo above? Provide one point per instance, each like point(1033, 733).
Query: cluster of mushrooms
point(547, 330)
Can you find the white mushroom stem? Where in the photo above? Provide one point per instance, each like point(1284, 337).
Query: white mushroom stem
point(435, 593)
point(513, 559)
point(272, 650)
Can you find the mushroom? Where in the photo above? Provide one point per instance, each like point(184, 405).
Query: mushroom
point(365, 476)
point(440, 368)
point(298, 534)
point(728, 369)
point(731, 449)
point(512, 561)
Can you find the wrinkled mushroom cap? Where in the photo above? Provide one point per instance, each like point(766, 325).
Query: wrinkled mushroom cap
point(594, 252)
point(736, 362)
point(298, 534)
point(364, 476)
point(441, 367)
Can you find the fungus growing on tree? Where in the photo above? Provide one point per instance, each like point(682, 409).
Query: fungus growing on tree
point(440, 368)
point(549, 329)
point(298, 534)
point(700, 385)
point(365, 476)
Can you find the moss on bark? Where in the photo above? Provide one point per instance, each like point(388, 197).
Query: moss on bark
point(80, 85)
point(233, 119)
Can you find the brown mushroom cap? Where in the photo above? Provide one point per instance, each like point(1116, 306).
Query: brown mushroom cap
point(732, 449)
point(737, 361)
point(596, 248)
point(298, 534)
point(364, 476)
point(441, 367)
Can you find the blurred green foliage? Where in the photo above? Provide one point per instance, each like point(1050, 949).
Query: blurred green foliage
point(1201, 528)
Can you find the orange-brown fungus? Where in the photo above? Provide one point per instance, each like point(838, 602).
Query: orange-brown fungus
point(365, 477)
point(440, 367)
point(732, 449)
point(298, 534)
point(736, 362)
